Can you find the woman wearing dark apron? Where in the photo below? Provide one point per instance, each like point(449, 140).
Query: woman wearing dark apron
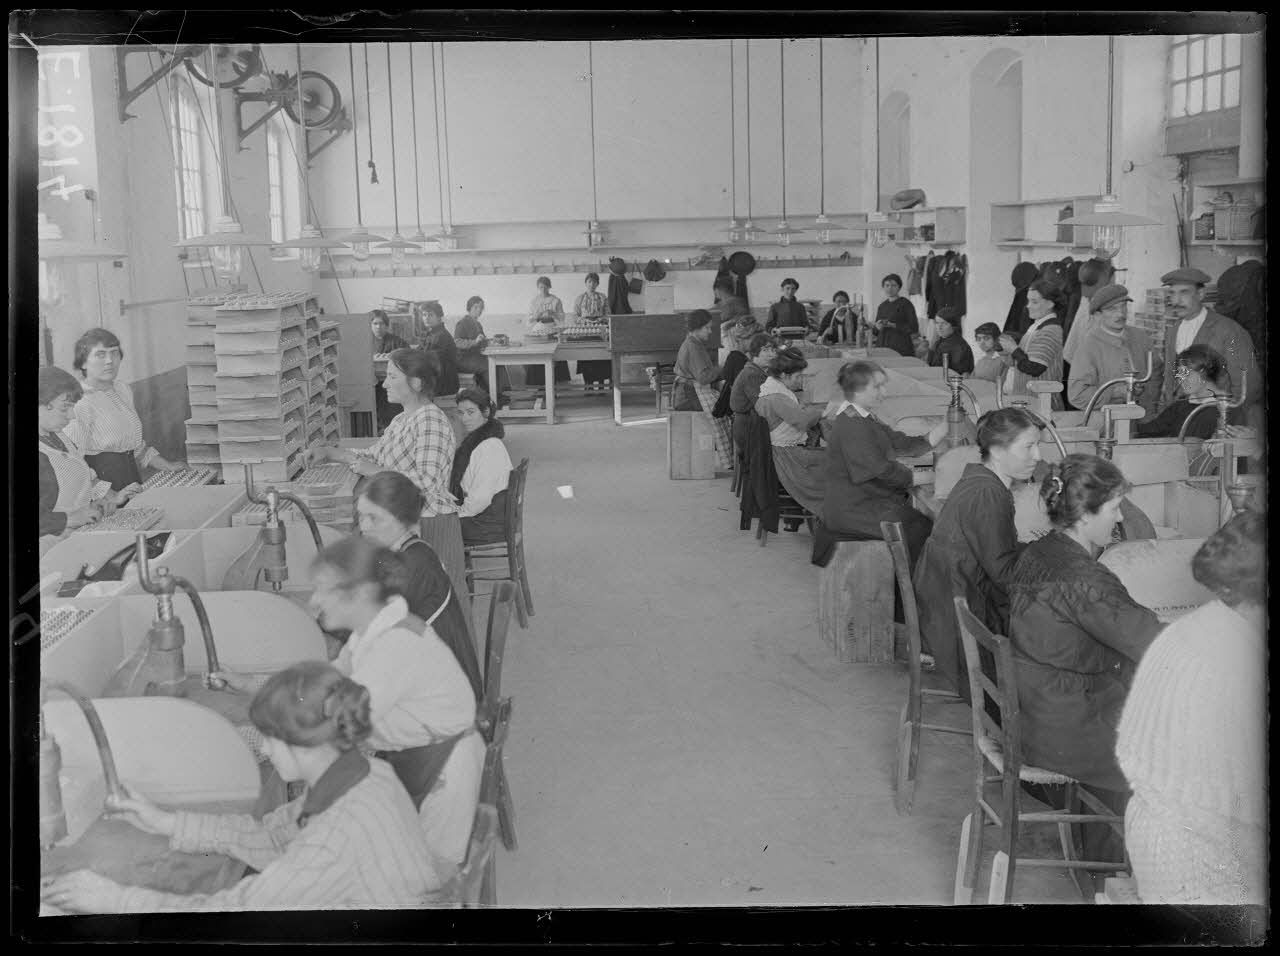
point(106, 425)
point(481, 471)
point(387, 511)
point(423, 706)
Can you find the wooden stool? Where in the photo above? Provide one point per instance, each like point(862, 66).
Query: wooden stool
point(691, 445)
point(855, 602)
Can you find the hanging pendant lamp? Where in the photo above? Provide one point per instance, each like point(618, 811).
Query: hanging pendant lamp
point(445, 239)
point(877, 224)
point(595, 232)
point(1108, 218)
point(398, 244)
point(226, 238)
point(822, 224)
point(359, 237)
point(310, 244)
point(735, 226)
point(783, 231)
point(419, 237)
point(750, 233)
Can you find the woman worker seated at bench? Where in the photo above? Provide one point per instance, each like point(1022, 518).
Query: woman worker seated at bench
point(746, 386)
point(481, 470)
point(1201, 375)
point(800, 465)
point(865, 483)
point(387, 514)
point(423, 707)
point(351, 841)
point(1077, 634)
point(974, 545)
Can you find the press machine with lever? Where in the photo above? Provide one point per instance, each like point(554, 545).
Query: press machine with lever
point(1231, 487)
point(53, 818)
point(1129, 380)
point(960, 428)
point(265, 558)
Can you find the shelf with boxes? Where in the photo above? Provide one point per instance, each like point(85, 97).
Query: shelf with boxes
point(1029, 223)
point(1227, 212)
point(934, 226)
point(257, 369)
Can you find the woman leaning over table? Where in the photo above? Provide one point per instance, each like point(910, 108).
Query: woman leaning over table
point(387, 513)
point(351, 841)
point(420, 444)
point(1193, 736)
point(106, 425)
point(423, 707)
point(973, 547)
point(1077, 636)
point(70, 494)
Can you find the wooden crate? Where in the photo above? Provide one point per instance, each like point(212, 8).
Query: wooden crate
point(855, 602)
point(691, 451)
point(267, 385)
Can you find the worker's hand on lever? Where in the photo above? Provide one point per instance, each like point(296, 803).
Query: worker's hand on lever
point(141, 813)
point(82, 891)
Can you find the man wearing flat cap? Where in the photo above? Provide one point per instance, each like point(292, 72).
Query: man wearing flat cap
point(1199, 325)
point(1109, 350)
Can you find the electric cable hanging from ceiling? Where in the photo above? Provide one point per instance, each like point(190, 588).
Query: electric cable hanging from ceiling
point(368, 112)
point(750, 227)
point(435, 117)
point(782, 108)
point(303, 166)
point(822, 142)
point(878, 124)
point(418, 236)
point(355, 138)
point(444, 111)
point(733, 135)
point(1111, 104)
point(591, 95)
point(395, 178)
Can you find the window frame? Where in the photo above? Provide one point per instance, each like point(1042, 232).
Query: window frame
point(1184, 42)
point(190, 177)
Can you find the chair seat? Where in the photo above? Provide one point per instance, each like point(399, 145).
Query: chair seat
point(992, 750)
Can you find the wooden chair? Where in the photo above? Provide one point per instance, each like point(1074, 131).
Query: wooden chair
point(489, 793)
point(790, 512)
point(998, 744)
point(910, 724)
point(474, 884)
point(489, 714)
point(511, 550)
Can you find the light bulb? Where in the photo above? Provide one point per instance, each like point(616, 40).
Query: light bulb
point(784, 239)
point(227, 261)
point(309, 259)
point(360, 250)
point(879, 238)
point(1108, 239)
point(824, 236)
point(397, 254)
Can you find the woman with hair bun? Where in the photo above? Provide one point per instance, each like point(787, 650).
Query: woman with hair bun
point(974, 545)
point(387, 514)
point(351, 840)
point(1193, 737)
point(424, 709)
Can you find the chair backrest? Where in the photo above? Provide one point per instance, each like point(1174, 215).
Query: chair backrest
point(480, 850)
point(999, 690)
point(892, 531)
point(515, 502)
point(501, 602)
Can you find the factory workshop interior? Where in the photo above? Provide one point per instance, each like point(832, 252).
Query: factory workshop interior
point(775, 471)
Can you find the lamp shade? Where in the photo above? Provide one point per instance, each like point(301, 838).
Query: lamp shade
point(1109, 221)
point(311, 246)
point(359, 239)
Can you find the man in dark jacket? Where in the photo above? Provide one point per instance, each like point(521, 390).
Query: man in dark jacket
point(1198, 325)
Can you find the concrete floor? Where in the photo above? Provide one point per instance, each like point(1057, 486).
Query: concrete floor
point(681, 735)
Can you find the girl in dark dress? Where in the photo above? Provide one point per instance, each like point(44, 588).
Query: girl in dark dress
point(896, 320)
point(950, 343)
point(388, 511)
point(439, 342)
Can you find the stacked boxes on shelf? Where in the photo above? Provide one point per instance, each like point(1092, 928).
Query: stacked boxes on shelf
point(1154, 318)
point(253, 403)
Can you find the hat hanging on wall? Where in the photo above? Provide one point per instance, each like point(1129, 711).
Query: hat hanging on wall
point(617, 266)
point(1024, 273)
point(742, 263)
point(907, 199)
point(654, 272)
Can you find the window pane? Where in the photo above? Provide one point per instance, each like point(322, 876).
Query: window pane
point(1231, 50)
point(1231, 89)
point(1179, 105)
point(1213, 92)
point(1213, 54)
point(1195, 97)
point(1178, 68)
point(1195, 61)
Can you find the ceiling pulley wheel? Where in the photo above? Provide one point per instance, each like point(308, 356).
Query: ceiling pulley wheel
point(321, 101)
point(233, 65)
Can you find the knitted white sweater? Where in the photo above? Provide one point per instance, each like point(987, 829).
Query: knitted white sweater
point(1194, 727)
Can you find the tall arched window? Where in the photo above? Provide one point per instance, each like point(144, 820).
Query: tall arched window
point(188, 155)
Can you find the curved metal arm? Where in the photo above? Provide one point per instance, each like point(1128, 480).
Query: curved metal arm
point(213, 671)
point(1129, 379)
point(144, 573)
point(306, 513)
point(114, 790)
point(1053, 432)
point(249, 491)
point(1223, 403)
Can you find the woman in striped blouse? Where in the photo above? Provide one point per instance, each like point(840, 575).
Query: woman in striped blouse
point(106, 425)
point(351, 840)
point(1039, 357)
point(419, 443)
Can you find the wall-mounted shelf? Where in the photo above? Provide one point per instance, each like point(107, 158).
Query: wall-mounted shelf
point(1228, 242)
point(1015, 222)
point(948, 221)
point(1233, 224)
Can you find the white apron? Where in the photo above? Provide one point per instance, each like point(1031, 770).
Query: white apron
point(77, 483)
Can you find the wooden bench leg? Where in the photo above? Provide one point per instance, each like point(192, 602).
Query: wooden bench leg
point(506, 810)
point(969, 859)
